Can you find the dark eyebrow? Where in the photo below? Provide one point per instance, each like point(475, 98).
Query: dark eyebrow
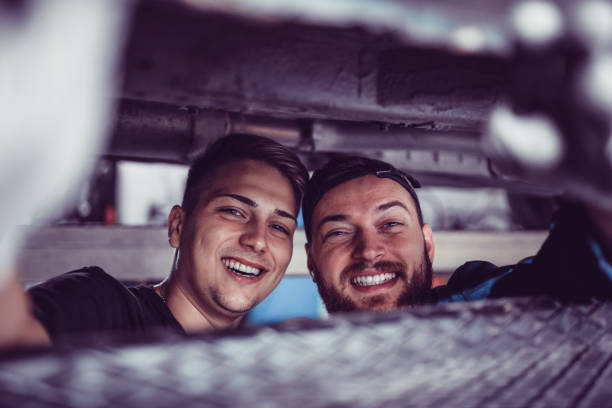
point(342, 217)
point(238, 197)
point(251, 203)
point(285, 214)
point(331, 218)
point(390, 204)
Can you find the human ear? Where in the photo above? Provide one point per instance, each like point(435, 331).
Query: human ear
point(429, 244)
point(310, 262)
point(175, 226)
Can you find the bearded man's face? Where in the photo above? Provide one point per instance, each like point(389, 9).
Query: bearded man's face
point(368, 250)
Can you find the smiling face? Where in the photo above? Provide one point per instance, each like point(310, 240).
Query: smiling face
point(237, 242)
point(368, 250)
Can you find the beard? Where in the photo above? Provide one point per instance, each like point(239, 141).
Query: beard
point(417, 288)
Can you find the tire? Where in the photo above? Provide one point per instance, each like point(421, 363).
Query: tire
point(534, 352)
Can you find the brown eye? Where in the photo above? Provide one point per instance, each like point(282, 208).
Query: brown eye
point(390, 226)
point(280, 228)
point(231, 211)
point(335, 236)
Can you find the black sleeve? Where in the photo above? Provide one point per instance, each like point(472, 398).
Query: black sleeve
point(84, 300)
point(570, 263)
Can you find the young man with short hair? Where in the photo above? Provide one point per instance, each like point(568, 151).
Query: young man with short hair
point(233, 236)
point(369, 249)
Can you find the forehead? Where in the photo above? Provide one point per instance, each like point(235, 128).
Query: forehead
point(361, 196)
point(255, 179)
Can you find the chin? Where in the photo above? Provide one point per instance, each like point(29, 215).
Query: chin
point(243, 307)
point(237, 305)
point(378, 303)
point(378, 308)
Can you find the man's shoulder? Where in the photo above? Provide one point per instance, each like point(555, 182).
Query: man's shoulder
point(473, 280)
point(473, 273)
point(88, 273)
point(90, 276)
point(89, 299)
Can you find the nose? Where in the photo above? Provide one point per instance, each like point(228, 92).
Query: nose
point(368, 246)
point(254, 236)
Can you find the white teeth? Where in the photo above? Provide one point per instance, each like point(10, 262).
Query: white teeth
point(373, 279)
point(244, 269)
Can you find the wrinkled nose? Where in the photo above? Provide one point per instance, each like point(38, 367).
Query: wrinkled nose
point(368, 247)
point(254, 236)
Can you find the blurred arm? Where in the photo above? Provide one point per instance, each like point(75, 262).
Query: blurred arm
point(57, 73)
point(601, 220)
point(19, 327)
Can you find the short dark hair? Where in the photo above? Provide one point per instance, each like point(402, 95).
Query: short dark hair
point(238, 146)
point(345, 168)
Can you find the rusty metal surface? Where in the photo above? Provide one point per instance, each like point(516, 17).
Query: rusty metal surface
point(181, 56)
point(169, 133)
point(424, 23)
point(163, 132)
point(446, 65)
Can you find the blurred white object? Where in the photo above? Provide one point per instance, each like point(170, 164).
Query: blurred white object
point(596, 81)
point(592, 22)
point(57, 77)
point(468, 39)
point(531, 140)
point(536, 22)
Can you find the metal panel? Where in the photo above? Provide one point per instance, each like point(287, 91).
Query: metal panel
point(518, 352)
point(279, 68)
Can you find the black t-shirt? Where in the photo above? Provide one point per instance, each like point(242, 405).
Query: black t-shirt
point(89, 299)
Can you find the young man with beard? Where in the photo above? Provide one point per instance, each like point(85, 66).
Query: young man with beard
point(369, 249)
point(233, 236)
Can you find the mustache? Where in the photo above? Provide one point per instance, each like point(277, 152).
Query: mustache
point(382, 266)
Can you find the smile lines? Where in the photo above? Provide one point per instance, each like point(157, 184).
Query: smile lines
point(241, 268)
point(373, 279)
